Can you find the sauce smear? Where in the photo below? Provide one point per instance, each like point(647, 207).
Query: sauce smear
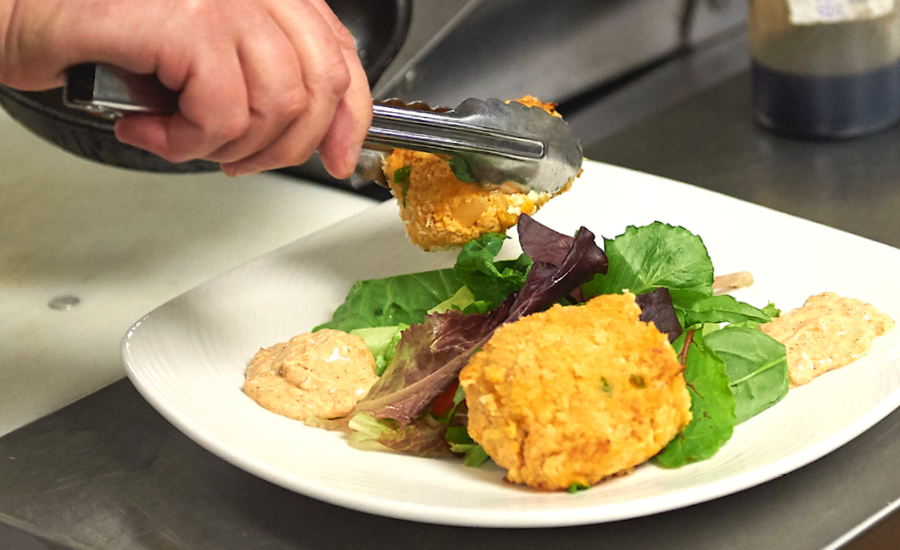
point(319, 374)
point(828, 332)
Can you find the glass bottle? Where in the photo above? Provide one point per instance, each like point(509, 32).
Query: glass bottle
point(825, 68)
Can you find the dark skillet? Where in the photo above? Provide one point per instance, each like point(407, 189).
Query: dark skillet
point(379, 28)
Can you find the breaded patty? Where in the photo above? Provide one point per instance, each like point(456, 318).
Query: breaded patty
point(575, 394)
point(440, 211)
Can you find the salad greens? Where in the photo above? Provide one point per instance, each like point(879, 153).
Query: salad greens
point(712, 405)
point(424, 327)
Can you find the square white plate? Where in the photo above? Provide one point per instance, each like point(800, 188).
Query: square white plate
point(188, 359)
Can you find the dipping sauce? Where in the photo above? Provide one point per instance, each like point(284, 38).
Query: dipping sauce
point(319, 374)
point(828, 332)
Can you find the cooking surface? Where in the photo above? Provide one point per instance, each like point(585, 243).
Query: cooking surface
point(121, 243)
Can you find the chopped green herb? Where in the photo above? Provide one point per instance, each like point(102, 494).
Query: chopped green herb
point(771, 310)
point(606, 387)
point(637, 381)
point(577, 487)
point(460, 169)
point(461, 443)
point(401, 176)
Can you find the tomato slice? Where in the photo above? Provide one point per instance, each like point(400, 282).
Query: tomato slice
point(444, 402)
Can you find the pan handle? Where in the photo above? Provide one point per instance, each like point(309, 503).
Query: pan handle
point(113, 92)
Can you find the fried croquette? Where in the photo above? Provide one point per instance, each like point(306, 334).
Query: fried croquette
point(440, 211)
point(575, 394)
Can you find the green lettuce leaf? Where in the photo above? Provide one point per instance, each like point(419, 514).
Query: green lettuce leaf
point(490, 282)
point(382, 342)
point(393, 300)
point(408, 298)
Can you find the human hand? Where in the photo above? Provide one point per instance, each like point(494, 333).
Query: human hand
point(263, 83)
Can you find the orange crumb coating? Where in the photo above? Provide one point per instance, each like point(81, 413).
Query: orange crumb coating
point(575, 394)
point(439, 211)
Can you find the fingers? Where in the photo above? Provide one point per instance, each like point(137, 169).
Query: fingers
point(326, 79)
point(263, 83)
point(342, 144)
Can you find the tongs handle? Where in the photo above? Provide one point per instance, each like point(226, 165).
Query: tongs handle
point(497, 143)
point(113, 92)
point(442, 133)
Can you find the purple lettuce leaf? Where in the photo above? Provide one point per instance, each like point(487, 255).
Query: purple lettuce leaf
point(656, 307)
point(428, 359)
point(552, 277)
point(431, 354)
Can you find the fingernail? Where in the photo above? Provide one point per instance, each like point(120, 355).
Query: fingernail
point(238, 170)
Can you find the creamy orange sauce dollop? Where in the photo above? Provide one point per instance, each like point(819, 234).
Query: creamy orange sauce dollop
point(828, 332)
point(319, 374)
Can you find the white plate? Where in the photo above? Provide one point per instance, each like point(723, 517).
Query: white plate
point(188, 359)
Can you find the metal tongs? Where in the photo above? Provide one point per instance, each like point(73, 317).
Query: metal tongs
point(497, 143)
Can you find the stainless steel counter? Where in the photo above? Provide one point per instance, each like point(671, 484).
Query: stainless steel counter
point(108, 472)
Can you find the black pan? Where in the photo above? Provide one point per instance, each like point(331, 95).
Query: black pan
point(379, 28)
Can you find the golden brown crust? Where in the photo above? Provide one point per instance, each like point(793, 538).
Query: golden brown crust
point(439, 211)
point(575, 394)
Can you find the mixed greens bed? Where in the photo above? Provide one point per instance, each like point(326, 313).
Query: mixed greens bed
point(423, 328)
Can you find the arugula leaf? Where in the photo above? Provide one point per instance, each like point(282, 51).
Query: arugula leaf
point(401, 176)
point(393, 300)
point(712, 405)
point(756, 365)
point(657, 255)
point(490, 281)
point(722, 309)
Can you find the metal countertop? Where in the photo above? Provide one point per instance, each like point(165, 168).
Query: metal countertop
point(108, 472)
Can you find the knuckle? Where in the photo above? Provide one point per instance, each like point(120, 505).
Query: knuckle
point(338, 79)
point(344, 38)
point(295, 103)
point(233, 127)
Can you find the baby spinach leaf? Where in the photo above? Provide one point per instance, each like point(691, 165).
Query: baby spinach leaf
point(657, 255)
point(712, 405)
point(722, 309)
point(756, 365)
